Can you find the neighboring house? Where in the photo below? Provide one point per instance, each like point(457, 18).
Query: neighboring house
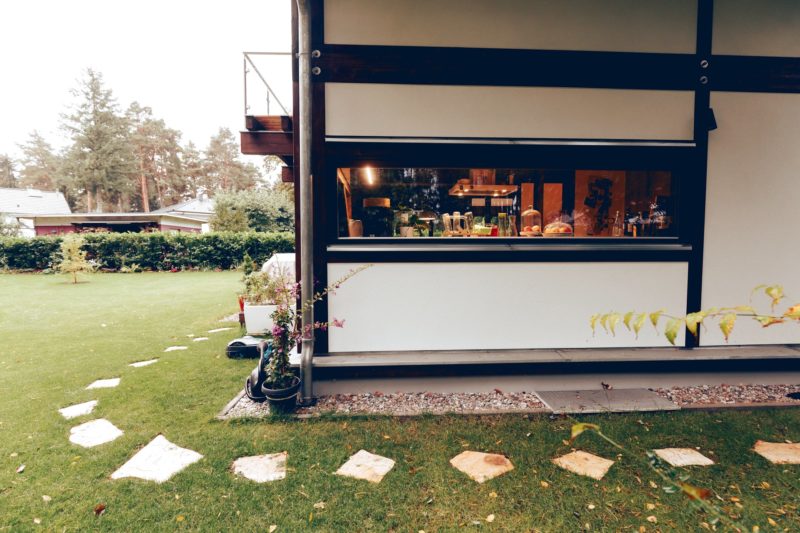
point(200, 208)
point(115, 222)
point(22, 205)
point(654, 143)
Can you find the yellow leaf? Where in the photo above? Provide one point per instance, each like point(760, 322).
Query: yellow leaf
point(672, 329)
point(694, 493)
point(493, 494)
point(604, 321)
point(638, 323)
point(726, 324)
point(776, 293)
point(793, 312)
point(655, 316)
point(490, 518)
point(653, 485)
point(544, 484)
point(272, 528)
point(580, 427)
point(693, 320)
point(593, 322)
point(627, 319)
point(772, 522)
point(613, 320)
point(767, 321)
point(650, 506)
point(652, 519)
point(180, 518)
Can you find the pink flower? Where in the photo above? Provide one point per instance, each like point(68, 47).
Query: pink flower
point(336, 323)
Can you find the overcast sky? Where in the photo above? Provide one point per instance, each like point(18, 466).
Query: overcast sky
point(182, 58)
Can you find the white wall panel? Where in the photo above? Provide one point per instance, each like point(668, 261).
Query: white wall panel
point(752, 233)
point(757, 27)
point(366, 109)
point(607, 25)
point(474, 306)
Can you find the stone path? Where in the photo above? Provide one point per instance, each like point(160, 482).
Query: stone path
point(160, 459)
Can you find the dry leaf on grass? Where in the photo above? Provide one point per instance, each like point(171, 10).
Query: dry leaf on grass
point(272, 528)
point(490, 518)
point(319, 505)
point(99, 509)
point(652, 519)
point(544, 484)
point(21, 469)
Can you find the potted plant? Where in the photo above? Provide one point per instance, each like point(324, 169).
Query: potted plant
point(281, 383)
point(262, 294)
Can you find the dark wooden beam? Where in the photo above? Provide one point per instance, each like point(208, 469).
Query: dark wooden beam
point(755, 74)
point(505, 67)
point(287, 174)
point(267, 143)
point(268, 123)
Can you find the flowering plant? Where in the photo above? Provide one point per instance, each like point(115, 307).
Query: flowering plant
point(288, 328)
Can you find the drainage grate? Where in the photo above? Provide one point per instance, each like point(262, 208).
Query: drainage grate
point(794, 395)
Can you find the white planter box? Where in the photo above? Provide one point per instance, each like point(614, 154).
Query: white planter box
point(257, 318)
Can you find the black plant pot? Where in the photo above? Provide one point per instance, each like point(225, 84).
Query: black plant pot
point(283, 400)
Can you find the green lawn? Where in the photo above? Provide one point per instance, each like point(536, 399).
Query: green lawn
point(56, 338)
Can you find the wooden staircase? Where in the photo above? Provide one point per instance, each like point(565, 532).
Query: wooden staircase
point(270, 135)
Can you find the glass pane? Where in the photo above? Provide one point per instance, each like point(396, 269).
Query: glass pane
point(503, 202)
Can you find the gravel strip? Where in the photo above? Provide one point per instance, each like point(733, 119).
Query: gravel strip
point(404, 404)
point(729, 394)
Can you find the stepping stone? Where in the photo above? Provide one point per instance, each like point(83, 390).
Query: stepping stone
point(140, 364)
point(261, 468)
point(80, 409)
point(176, 348)
point(199, 339)
point(365, 465)
point(779, 453)
point(104, 384)
point(158, 461)
point(584, 464)
point(94, 433)
point(217, 330)
point(683, 457)
point(481, 466)
point(605, 401)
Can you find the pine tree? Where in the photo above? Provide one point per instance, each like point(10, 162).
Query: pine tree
point(194, 170)
point(8, 177)
point(225, 171)
point(40, 165)
point(100, 160)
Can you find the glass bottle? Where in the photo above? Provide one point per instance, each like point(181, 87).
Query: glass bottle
point(618, 228)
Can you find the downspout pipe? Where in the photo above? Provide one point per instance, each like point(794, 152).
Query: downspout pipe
point(306, 199)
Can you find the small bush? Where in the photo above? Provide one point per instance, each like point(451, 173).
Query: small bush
point(149, 251)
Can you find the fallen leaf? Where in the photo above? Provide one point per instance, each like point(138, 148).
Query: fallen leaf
point(642, 529)
point(652, 519)
point(756, 529)
point(99, 509)
point(580, 427)
point(37, 521)
point(493, 494)
point(14, 454)
point(387, 437)
point(590, 507)
point(21, 469)
point(180, 518)
point(490, 518)
point(544, 484)
point(695, 493)
point(272, 528)
point(46, 498)
point(735, 499)
point(771, 521)
point(653, 485)
point(764, 485)
point(319, 505)
point(650, 506)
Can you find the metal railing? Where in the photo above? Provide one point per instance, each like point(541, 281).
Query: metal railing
point(249, 65)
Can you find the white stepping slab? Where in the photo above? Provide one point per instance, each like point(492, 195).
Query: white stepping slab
point(683, 457)
point(104, 384)
point(80, 409)
point(199, 339)
point(365, 465)
point(140, 364)
point(94, 433)
point(584, 464)
point(261, 468)
point(217, 330)
point(779, 453)
point(158, 461)
point(481, 466)
point(176, 348)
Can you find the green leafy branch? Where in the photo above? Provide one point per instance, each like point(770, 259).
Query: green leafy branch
point(674, 481)
point(725, 317)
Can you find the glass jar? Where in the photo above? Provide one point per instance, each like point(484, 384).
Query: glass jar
point(531, 222)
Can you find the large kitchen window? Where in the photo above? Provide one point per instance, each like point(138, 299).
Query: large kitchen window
point(519, 203)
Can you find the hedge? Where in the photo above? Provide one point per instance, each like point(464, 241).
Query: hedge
point(150, 251)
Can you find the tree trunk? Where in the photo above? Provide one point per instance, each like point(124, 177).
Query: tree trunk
point(145, 193)
point(88, 200)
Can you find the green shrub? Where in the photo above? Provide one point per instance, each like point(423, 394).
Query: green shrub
point(149, 251)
